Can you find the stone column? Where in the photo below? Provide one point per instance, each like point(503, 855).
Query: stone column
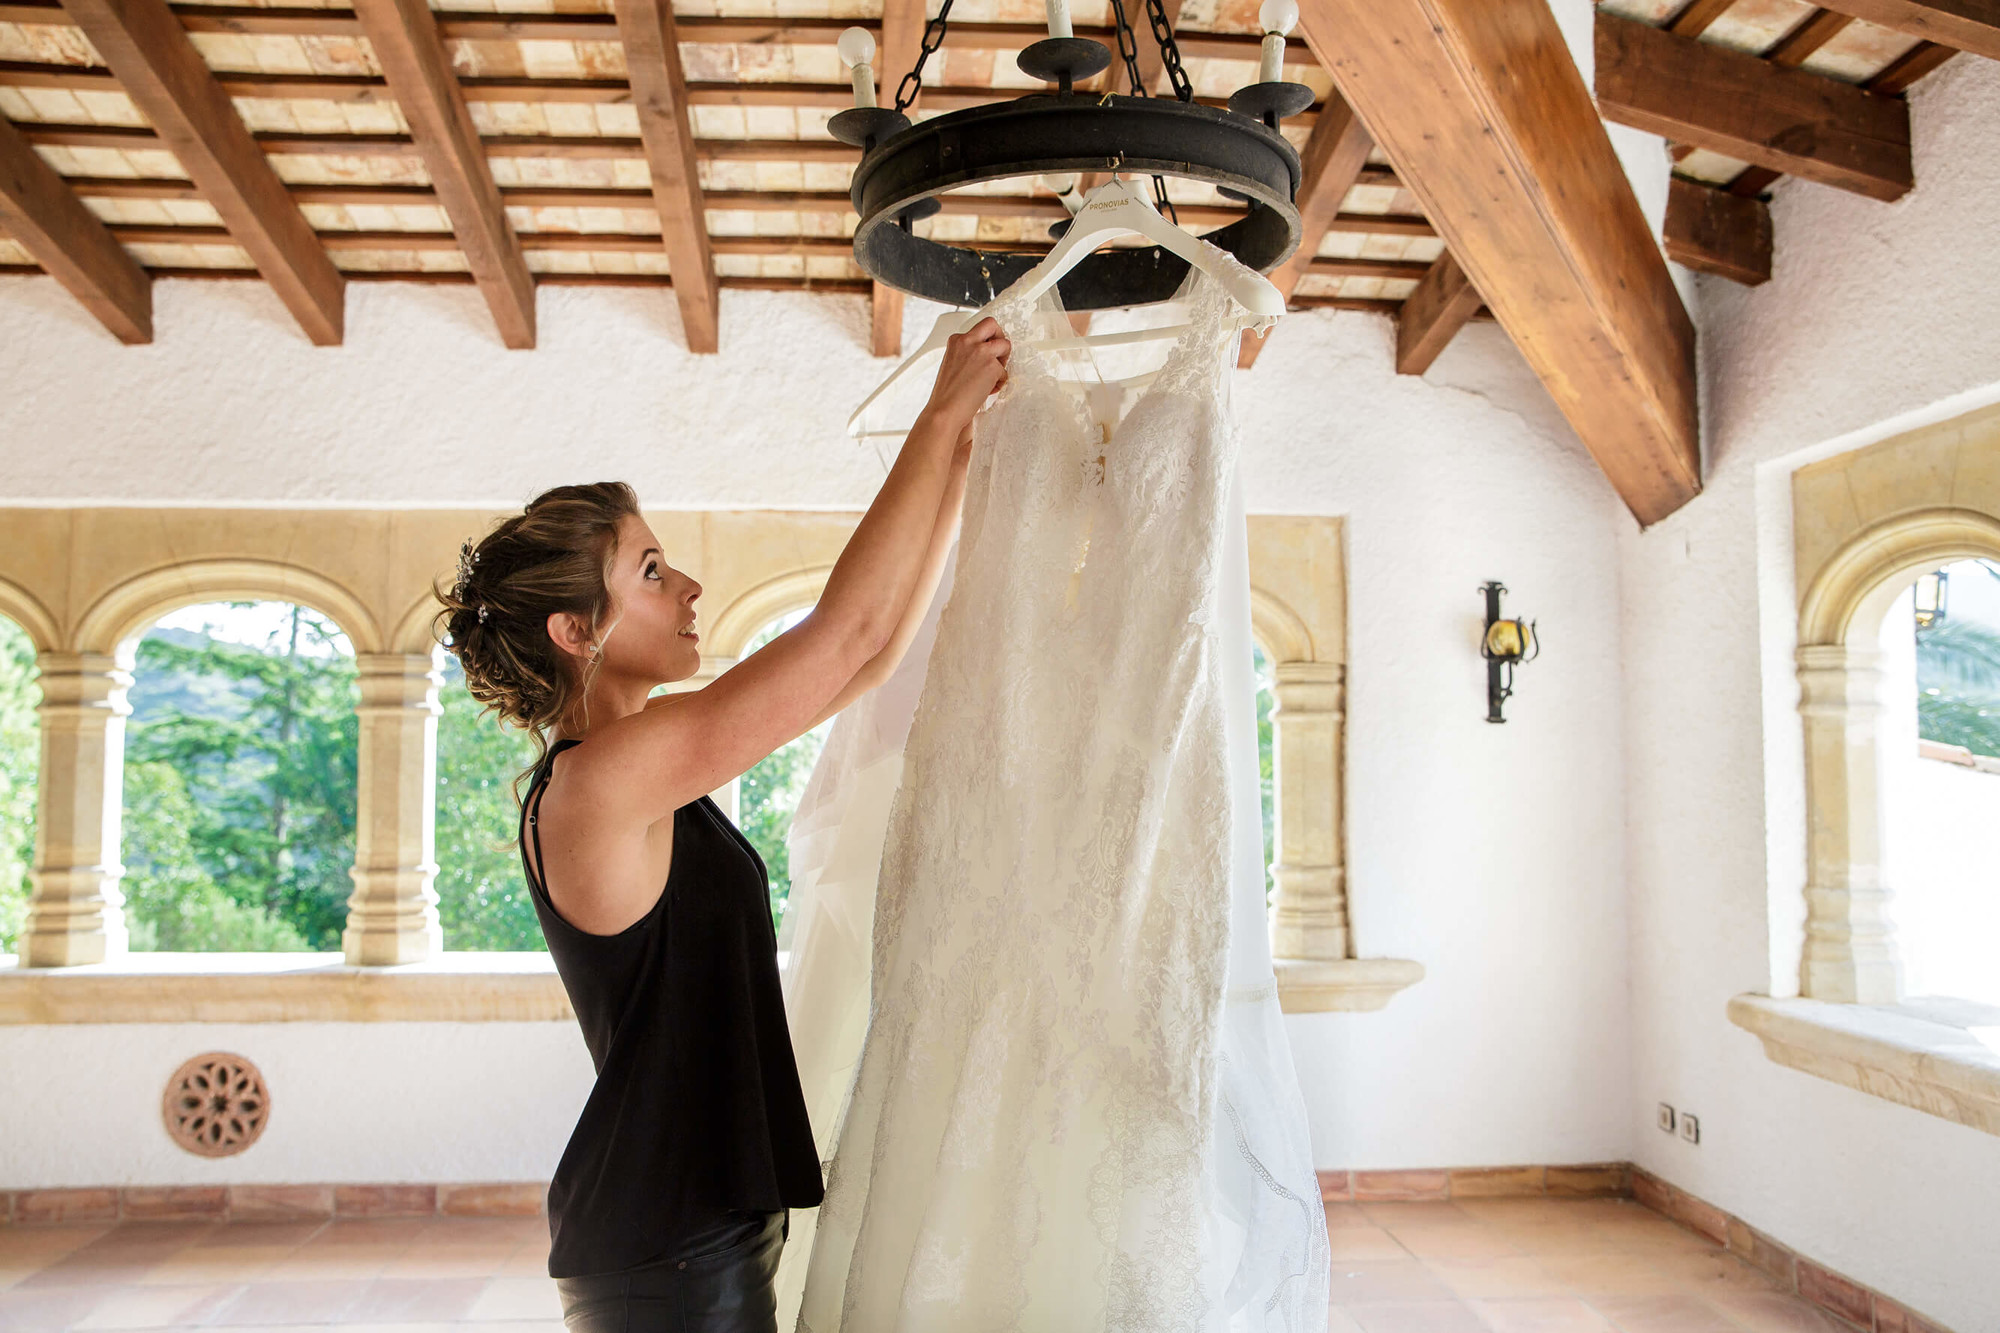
point(392, 916)
point(1309, 917)
point(1850, 952)
point(76, 914)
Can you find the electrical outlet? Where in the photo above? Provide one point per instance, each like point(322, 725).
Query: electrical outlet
point(1690, 1128)
point(1666, 1118)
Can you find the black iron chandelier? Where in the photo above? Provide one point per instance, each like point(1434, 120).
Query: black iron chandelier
point(904, 167)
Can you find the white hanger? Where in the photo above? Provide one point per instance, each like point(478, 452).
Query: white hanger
point(1115, 208)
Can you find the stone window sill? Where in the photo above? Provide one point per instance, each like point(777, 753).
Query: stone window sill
point(452, 988)
point(285, 988)
point(1940, 1056)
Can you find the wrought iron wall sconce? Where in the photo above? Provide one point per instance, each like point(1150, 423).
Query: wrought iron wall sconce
point(1930, 597)
point(1505, 645)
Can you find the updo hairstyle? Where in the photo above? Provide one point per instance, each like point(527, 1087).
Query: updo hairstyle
point(555, 556)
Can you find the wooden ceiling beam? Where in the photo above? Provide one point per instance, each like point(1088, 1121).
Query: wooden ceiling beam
point(41, 212)
point(369, 89)
point(1334, 156)
point(902, 36)
point(1716, 231)
point(660, 92)
point(405, 40)
point(239, 20)
point(1787, 120)
point(1441, 305)
point(1814, 31)
point(1481, 108)
point(1696, 16)
point(1897, 76)
point(1964, 25)
point(166, 78)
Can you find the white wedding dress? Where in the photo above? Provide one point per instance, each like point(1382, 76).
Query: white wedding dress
point(1075, 1108)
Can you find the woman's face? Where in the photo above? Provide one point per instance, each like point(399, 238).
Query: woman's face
point(650, 634)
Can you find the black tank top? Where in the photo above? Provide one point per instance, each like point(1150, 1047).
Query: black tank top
point(697, 1108)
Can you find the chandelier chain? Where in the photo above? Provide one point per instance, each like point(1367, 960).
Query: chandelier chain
point(912, 84)
point(1128, 49)
point(1170, 54)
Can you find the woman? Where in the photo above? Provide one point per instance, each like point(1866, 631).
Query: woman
point(668, 1208)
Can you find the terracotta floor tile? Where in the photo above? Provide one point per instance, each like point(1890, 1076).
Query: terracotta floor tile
point(1415, 1317)
point(1468, 1241)
point(531, 1260)
point(1418, 1213)
point(438, 1264)
point(313, 1263)
point(399, 1231)
point(1352, 1243)
point(1772, 1312)
point(1613, 1274)
point(200, 1264)
point(1497, 1279)
point(255, 1235)
point(517, 1298)
point(1678, 1313)
point(1514, 1210)
point(158, 1307)
point(322, 1302)
point(48, 1308)
point(1541, 1315)
point(121, 1255)
point(1391, 1280)
point(414, 1300)
point(1560, 1238)
point(1337, 1321)
point(1700, 1272)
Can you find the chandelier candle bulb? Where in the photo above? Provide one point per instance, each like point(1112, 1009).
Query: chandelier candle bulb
point(857, 51)
point(1277, 18)
point(1059, 19)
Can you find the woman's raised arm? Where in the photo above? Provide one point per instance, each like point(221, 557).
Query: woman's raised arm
point(644, 766)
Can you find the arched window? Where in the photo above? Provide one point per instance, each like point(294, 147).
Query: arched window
point(768, 795)
point(239, 788)
point(20, 755)
point(483, 901)
point(1941, 780)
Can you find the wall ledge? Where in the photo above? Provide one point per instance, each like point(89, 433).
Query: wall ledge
point(285, 988)
point(1938, 1056)
point(1345, 985)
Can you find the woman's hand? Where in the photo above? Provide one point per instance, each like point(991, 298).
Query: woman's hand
point(975, 364)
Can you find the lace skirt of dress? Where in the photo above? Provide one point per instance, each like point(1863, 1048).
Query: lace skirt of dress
point(1085, 1118)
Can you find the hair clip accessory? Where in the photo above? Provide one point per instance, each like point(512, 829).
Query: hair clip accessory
point(482, 613)
point(467, 558)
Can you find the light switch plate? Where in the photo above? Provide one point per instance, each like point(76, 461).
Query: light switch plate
point(1666, 1118)
point(1690, 1128)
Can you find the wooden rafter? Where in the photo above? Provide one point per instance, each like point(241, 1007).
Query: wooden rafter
point(41, 212)
point(1787, 120)
point(1482, 110)
point(1440, 306)
point(1814, 31)
point(235, 20)
point(1332, 160)
point(902, 37)
point(171, 85)
point(405, 39)
point(659, 92)
point(1965, 25)
point(1696, 16)
point(1719, 232)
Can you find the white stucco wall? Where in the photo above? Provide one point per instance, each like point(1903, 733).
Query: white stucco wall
point(1490, 854)
point(350, 1102)
point(1878, 318)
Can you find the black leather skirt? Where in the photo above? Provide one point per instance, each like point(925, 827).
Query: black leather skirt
point(716, 1281)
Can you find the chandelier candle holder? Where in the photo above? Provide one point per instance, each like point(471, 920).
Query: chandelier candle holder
point(906, 167)
point(1505, 645)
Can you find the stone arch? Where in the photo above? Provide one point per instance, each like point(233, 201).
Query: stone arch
point(733, 628)
point(1850, 954)
point(1278, 629)
point(26, 610)
point(1854, 589)
point(118, 617)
